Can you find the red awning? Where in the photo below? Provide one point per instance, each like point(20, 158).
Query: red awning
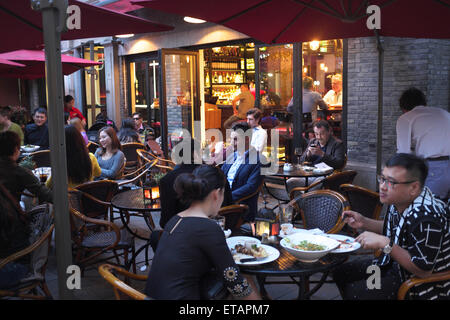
point(21, 26)
point(34, 61)
point(288, 21)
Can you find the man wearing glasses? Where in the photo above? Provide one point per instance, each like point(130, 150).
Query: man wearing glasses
point(414, 237)
point(139, 124)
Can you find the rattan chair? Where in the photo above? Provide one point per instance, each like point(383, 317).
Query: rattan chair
point(148, 157)
point(362, 200)
point(135, 178)
point(129, 150)
point(33, 285)
point(97, 200)
point(41, 158)
point(321, 209)
point(331, 182)
point(108, 271)
point(276, 188)
point(234, 216)
point(91, 247)
point(411, 283)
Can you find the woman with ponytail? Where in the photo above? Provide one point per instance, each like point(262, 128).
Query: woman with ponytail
point(192, 244)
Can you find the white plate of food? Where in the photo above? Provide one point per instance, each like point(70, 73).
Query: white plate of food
point(346, 244)
point(29, 148)
point(250, 252)
point(282, 234)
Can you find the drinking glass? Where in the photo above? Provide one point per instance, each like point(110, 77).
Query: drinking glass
point(286, 213)
point(298, 152)
point(221, 222)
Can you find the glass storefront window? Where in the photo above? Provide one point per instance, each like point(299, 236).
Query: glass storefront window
point(138, 81)
point(275, 69)
point(144, 91)
point(181, 92)
point(322, 60)
point(99, 92)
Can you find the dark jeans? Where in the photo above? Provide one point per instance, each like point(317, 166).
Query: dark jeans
point(11, 274)
point(351, 279)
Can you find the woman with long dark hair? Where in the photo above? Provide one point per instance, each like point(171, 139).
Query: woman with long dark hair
point(192, 244)
point(82, 166)
point(127, 133)
point(109, 156)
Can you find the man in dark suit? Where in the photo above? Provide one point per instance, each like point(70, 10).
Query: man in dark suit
point(37, 132)
point(243, 168)
point(324, 148)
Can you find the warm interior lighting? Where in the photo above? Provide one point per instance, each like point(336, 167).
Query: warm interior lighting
point(314, 45)
point(125, 35)
point(193, 20)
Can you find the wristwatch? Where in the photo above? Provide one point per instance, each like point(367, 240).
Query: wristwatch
point(388, 248)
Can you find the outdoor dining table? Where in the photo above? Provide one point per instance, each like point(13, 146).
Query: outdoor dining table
point(289, 266)
point(299, 172)
point(133, 201)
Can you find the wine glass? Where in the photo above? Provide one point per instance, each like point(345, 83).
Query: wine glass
point(298, 152)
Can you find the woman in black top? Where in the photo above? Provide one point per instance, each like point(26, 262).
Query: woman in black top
point(192, 244)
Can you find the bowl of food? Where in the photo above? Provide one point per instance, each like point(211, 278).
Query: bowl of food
point(308, 247)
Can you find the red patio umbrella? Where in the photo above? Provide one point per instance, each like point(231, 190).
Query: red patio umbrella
point(287, 21)
point(21, 26)
point(121, 6)
point(34, 64)
point(4, 63)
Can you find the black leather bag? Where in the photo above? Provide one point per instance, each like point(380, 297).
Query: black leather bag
point(212, 287)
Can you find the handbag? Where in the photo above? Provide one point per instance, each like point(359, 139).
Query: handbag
point(212, 287)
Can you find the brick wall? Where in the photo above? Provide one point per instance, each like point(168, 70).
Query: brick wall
point(423, 63)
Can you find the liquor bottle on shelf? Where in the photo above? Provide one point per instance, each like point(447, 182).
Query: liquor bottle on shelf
point(207, 84)
point(220, 79)
point(215, 78)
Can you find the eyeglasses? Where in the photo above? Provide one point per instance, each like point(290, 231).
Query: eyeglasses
point(391, 183)
point(136, 118)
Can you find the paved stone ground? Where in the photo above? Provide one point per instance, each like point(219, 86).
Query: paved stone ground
point(94, 287)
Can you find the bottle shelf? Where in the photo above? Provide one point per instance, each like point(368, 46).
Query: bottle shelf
point(228, 84)
point(226, 70)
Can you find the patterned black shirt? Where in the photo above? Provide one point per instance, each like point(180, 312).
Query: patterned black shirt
point(423, 229)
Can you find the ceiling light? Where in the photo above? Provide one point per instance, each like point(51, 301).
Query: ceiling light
point(125, 35)
point(193, 20)
point(314, 45)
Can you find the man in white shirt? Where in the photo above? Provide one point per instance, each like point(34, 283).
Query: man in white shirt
point(259, 135)
point(334, 96)
point(425, 131)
